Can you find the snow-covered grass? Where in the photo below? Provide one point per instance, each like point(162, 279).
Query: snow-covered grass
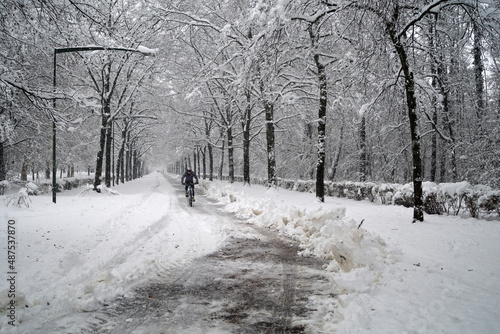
point(389, 276)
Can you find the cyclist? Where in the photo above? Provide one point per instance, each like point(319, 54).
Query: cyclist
point(187, 178)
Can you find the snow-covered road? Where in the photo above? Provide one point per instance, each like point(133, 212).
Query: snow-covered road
point(252, 284)
point(86, 250)
point(145, 262)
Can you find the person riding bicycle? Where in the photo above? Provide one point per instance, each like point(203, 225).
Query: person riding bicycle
point(187, 178)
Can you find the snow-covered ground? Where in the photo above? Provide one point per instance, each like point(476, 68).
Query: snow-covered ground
point(389, 276)
point(438, 276)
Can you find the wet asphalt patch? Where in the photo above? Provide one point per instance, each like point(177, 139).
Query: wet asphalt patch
point(250, 285)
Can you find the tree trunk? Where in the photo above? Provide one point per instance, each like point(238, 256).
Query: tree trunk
point(3, 174)
point(245, 123)
point(198, 158)
point(478, 73)
point(208, 126)
point(194, 162)
point(107, 174)
point(230, 153)
point(118, 164)
point(100, 153)
point(434, 83)
point(434, 147)
point(447, 122)
point(270, 138)
point(246, 157)
point(106, 112)
point(135, 165)
point(411, 101)
point(362, 150)
point(323, 99)
point(47, 170)
point(121, 157)
point(128, 158)
point(122, 166)
point(24, 171)
point(336, 160)
point(210, 162)
point(204, 155)
point(222, 157)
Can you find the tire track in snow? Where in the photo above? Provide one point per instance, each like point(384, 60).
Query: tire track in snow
point(255, 284)
point(174, 238)
point(140, 254)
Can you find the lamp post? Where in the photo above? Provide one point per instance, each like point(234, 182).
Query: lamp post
point(142, 50)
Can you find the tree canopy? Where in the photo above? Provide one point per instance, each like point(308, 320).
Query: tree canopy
point(385, 91)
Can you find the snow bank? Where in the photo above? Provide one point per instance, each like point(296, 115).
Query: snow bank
point(358, 258)
point(328, 234)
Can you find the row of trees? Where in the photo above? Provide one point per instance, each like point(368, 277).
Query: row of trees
point(388, 90)
point(94, 50)
point(392, 91)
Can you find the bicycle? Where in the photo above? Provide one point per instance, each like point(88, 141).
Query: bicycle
point(190, 193)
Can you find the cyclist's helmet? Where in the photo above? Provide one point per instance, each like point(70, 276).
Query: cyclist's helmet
point(189, 171)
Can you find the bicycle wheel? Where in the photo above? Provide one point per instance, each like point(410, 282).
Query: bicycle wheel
point(190, 195)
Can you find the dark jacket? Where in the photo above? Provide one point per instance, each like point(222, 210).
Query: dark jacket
point(189, 178)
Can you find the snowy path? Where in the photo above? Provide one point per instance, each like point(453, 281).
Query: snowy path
point(255, 284)
point(154, 265)
point(85, 251)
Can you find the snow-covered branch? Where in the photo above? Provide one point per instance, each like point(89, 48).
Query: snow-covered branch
point(38, 94)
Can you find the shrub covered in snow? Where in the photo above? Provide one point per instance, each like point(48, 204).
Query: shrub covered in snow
point(490, 202)
point(19, 198)
point(64, 184)
point(449, 198)
point(404, 196)
point(285, 184)
point(452, 195)
point(304, 186)
point(3, 185)
point(383, 193)
point(31, 188)
point(22, 196)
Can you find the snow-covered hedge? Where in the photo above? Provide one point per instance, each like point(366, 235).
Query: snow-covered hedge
point(45, 186)
point(66, 184)
point(449, 198)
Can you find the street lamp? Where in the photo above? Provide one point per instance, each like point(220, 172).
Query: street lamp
point(143, 50)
